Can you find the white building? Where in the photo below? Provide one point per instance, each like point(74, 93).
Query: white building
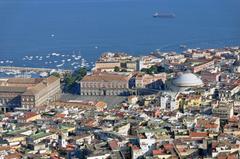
point(184, 81)
point(168, 101)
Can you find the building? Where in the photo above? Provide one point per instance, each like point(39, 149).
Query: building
point(168, 101)
point(187, 80)
point(210, 77)
point(189, 100)
point(106, 84)
point(184, 81)
point(29, 117)
point(109, 61)
point(202, 66)
point(223, 110)
point(228, 90)
point(236, 66)
point(155, 81)
point(28, 92)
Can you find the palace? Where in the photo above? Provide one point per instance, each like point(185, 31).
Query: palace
point(28, 93)
point(105, 83)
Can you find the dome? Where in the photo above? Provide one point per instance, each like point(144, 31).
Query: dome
point(187, 80)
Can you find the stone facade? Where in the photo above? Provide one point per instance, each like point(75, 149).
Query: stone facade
point(28, 92)
point(106, 84)
point(155, 81)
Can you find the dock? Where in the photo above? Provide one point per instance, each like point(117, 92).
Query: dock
point(28, 69)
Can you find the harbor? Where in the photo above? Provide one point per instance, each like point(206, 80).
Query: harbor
point(28, 72)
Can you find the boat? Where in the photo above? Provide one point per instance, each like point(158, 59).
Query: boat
point(55, 54)
point(60, 65)
point(43, 74)
point(183, 46)
point(164, 15)
point(77, 58)
point(13, 72)
point(24, 75)
point(74, 63)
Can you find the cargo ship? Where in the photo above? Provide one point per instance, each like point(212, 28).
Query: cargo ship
point(164, 15)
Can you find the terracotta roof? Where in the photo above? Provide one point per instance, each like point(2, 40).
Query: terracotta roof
point(198, 134)
point(101, 104)
point(24, 80)
point(233, 119)
point(12, 89)
point(4, 148)
point(43, 84)
point(113, 144)
point(13, 156)
point(168, 146)
point(28, 86)
point(134, 147)
point(182, 149)
point(28, 115)
point(158, 152)
point(59, 116)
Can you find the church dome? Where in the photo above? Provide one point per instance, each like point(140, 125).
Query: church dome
point(187, 80)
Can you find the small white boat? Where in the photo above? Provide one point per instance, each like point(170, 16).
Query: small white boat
point(60, 65)
point(74, 63)
point(55, 54)
point(43, 74)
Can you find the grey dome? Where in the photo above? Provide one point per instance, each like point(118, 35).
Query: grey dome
point(187, 80)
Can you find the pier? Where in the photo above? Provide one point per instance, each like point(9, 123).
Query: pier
point(28, 69)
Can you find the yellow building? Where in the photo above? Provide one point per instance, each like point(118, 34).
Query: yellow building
point(189, 100)
point(29, 117)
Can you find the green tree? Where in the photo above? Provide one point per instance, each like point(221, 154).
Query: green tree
point(68, 82)
point(71, 79)
point(80, 73)
point(123, 70)
point(153, 69)
point(116, 69)
point(56, 74)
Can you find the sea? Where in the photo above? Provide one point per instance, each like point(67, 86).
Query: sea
point(74, 33)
